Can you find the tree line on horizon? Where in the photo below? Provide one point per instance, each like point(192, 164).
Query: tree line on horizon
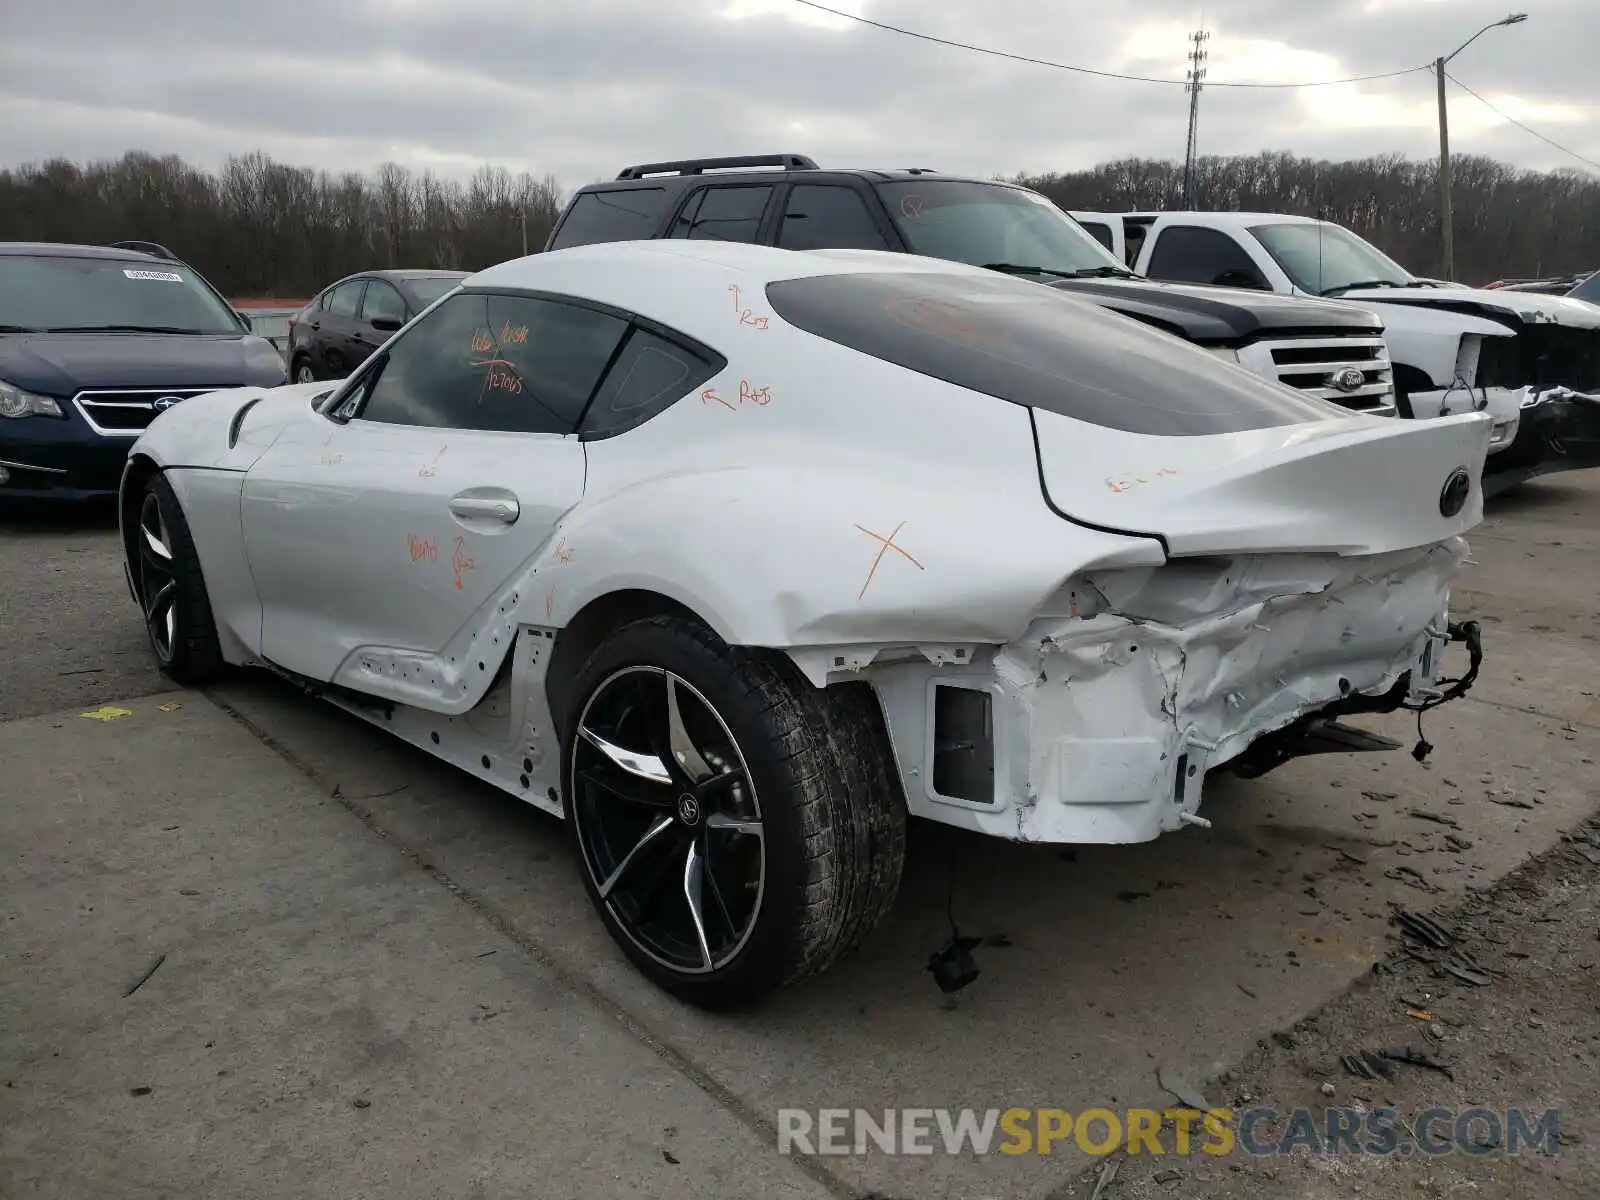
point(259, 228)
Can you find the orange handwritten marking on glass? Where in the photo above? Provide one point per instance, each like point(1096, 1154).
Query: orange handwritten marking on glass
point(504, 381)
point(513, 335)
point(422, 549)
point(459, 561)
point(481, 341)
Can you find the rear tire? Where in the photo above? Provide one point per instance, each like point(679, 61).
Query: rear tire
point(172, 590)
point(303, 372)
point(693, 768)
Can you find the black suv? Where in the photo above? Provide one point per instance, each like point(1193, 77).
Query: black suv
point(1335, 351)
point(94, 342)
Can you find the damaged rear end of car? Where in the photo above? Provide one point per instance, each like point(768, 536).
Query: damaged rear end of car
point(1308, 558)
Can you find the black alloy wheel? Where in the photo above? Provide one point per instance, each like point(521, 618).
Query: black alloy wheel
point(668, 819)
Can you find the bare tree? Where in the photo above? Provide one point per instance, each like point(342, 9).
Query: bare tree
point(258, 228)
point(1508, 222)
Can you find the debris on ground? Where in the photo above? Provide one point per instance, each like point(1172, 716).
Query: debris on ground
point(1180, 1087)
point(1466, 971)
point(145, 978)
point(1374, 1064)
point(1423, 814)
point(1108, 1176)
point(1424, 929)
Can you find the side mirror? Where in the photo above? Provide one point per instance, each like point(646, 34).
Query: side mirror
point(244, 319)
point(387, 324)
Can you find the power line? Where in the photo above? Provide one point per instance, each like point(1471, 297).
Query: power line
point(1059, 66)
point(1525, 129)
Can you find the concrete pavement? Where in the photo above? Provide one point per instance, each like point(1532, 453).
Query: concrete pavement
point(1117, 961)
point(326, 1020)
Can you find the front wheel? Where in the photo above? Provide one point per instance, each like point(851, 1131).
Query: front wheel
point(171, 589)
point(303, 372)
point(737, 828)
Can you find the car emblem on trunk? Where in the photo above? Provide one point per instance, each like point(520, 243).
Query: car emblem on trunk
point(1347, 380)
point(162, 403)
point(1453, 497)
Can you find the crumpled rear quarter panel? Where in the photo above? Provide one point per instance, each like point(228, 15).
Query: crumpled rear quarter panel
point(1167, 671)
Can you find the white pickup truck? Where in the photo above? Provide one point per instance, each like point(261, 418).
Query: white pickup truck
point(1532, 361)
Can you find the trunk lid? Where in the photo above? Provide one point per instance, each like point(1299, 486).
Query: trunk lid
point(1356, 485)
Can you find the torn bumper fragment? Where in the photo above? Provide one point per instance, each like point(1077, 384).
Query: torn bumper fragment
point(1102, 726)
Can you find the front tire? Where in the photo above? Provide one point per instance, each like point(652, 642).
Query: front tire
point(303, 371)
point(172, 591)
point(737, 828)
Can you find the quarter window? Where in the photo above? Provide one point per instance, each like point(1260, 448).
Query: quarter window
point(516, 364)
point(650, 375)
point(819, 217)
point(611, 215)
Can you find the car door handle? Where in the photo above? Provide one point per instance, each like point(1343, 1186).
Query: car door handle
point(503, 508)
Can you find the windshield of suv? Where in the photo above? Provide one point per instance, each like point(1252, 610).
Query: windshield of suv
point(1323, 259)
point(992, 225)
point(1588, 290)
point(56, 292)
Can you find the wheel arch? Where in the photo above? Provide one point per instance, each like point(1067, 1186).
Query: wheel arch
point(140, 470)
point(577, 639)
point(1409, 379)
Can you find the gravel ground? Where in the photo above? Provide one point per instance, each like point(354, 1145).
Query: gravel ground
point(1523, 1030)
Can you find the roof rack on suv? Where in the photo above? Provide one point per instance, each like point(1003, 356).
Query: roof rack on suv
point(152, 248)
point(698, 166)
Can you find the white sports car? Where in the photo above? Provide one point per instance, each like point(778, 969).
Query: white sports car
point(735, 556)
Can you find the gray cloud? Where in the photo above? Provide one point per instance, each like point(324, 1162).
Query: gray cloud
point(578, 88)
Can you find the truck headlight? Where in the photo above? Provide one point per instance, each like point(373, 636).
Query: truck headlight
point(14, 402)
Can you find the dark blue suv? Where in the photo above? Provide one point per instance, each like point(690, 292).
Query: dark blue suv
point(94, 342)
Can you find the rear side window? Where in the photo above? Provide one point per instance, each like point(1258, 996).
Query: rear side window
point(650, 375)
point(1189, 254)
point(1038, 347)
point(611, 215)
point(724, 214)
point(345, 300)
point(828, 217)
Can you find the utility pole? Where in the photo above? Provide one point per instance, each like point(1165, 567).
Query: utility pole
point(1447, 224)
point(1195, 77)
point(1447, 241)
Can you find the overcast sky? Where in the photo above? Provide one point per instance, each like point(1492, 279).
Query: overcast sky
point(580, 88)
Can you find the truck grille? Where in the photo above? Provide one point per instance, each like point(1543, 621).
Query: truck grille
point(124, 412)
point(1328, 368)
